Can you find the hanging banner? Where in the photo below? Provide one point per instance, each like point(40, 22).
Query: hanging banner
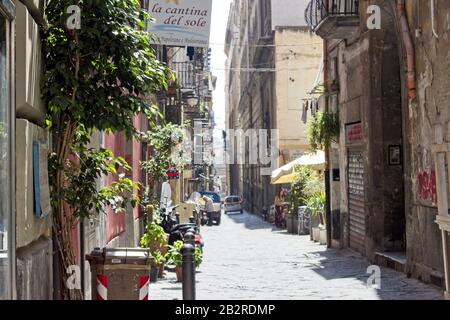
point(181, 22)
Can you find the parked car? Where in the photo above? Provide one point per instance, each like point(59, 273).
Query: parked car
point(233, 204)
point(217, 213)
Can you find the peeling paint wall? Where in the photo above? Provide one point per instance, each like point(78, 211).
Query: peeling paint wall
point(429, 115)
point(33, 234)
point(400, 202)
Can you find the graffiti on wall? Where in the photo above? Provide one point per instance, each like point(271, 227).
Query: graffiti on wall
point(427, 186)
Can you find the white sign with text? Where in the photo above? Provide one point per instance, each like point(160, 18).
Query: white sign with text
point(181, 22)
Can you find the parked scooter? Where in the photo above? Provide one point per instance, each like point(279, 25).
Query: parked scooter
point(168, 218)
point(177, 231)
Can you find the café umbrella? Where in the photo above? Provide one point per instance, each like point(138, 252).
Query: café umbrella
point(286, 174)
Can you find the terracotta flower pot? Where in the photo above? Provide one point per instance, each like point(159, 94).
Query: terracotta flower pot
point(154, 274)
point(161, 271)
point(179, 273)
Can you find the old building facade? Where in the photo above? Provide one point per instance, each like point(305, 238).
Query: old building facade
point(272, 63)
point(393, 105)
point(27, 253)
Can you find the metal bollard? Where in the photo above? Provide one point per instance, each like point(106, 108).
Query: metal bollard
point(188, 253)
point(189, 237)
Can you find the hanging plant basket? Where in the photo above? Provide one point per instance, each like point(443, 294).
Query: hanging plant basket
point(323, 130)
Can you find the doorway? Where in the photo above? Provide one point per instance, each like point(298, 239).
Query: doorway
point(393, 145)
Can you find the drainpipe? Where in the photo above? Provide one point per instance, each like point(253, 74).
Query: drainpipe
point(409, 47)
point(433, 19)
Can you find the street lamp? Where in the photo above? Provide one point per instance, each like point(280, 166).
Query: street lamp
point(192, 100)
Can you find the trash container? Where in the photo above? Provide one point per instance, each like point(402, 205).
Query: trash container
point(120, 274)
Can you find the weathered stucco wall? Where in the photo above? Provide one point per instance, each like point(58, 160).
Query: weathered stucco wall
point(372, 73)
point(31, 112)
point(35, 271)
point(371, 76)
point(288, 13)
point(33, 234)
point(297, 60)
point(353, 68)
point(29, 228)
point(431, 113)
point(28, 66)
point(386, 214)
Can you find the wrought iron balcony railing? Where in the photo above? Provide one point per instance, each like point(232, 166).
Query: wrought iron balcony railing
point(186, 75)
point(331, 18)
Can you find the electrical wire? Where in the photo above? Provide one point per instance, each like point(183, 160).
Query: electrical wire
point(256, 69)
point(267, 45)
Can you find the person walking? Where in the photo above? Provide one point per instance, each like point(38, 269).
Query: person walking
point(166, 194)
point(209, 208)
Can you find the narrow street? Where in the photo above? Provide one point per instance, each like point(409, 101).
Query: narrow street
point(245, 258)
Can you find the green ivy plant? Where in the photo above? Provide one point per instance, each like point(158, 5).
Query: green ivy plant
point(156, 240)
point(316, 204)
point(82, 193)
point(174, 256)
point(323, 130)
point(95, 78)
point(168, 151)
point(198, 256)
point(307, 182)
point(159, 258)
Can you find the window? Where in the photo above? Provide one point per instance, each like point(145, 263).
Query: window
point(6, 9)
point(233, 200)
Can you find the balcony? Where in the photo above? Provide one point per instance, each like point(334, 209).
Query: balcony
point(186, 74)
point(333, 19)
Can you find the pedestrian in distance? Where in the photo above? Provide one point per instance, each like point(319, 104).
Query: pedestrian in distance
point(280, 209)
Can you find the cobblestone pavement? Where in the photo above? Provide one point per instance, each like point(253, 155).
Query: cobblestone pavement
point(245, 258)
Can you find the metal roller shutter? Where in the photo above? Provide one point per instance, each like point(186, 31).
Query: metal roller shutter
point(357, 216)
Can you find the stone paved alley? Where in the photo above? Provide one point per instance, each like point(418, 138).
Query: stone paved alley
point(245, 258)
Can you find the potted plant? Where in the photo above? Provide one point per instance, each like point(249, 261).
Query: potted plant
point(316, 204)
point(291, 221)
point(198, 256)
point(300, 189)
point(156, 240)
point(158, 268)
point(175, 258)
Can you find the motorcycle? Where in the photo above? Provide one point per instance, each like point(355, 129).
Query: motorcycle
point(179, 231)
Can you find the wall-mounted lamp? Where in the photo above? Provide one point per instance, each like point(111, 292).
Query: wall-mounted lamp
point(192, 100)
